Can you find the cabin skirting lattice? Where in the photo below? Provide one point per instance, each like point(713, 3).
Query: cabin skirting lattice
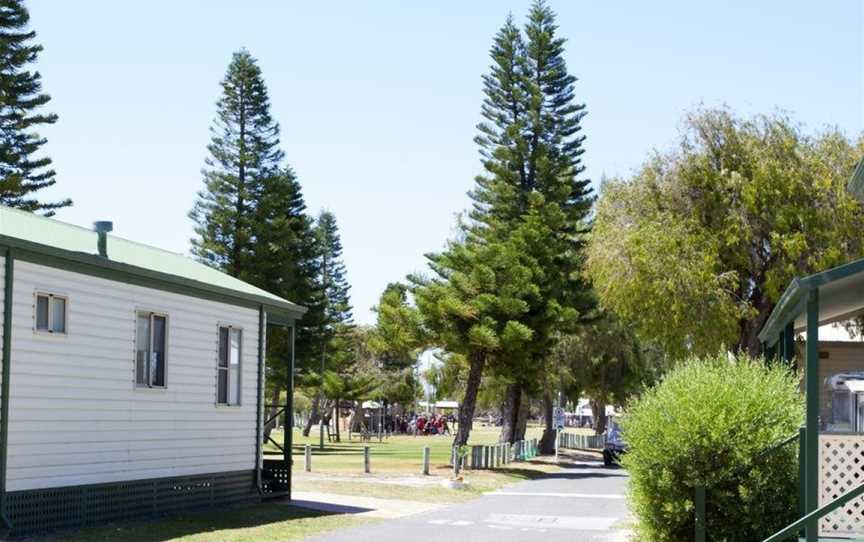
point(45, 510)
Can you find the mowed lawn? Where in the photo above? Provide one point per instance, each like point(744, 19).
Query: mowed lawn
point(395, 454)
point(336, 469)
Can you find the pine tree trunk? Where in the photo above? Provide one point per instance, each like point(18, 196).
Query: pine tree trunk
point(469, 402)
point(510, 409)
point(547, 441)
point(314, 417)
point(598, 409)
point(359, 418)
point(522, 417)
point(336, 413)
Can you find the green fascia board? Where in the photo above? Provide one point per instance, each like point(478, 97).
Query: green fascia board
point(787, 309)
point(793, 300)
point(94, 265)
point(47, 236)
point(856, 183)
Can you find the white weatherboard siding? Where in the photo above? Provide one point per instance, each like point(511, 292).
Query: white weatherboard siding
point(76, 416)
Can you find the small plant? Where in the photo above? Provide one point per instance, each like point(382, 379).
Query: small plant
point(704, 424)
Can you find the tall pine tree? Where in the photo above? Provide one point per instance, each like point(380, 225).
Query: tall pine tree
point(331, 333)
point(527, 225)
point(338, 317)
point(250, 217)
point(22, 171)
point(532, 147)
point(243, 153)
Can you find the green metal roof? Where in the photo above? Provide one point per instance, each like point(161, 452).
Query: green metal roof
point(78, 245)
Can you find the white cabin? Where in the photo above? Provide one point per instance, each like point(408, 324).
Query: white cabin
point(132, 379)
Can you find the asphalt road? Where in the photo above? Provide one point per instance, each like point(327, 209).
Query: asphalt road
point(582, 503)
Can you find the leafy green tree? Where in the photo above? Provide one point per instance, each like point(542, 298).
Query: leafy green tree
point(695, 249)
point(22, 171)
point(531, 145)
point(605, 362)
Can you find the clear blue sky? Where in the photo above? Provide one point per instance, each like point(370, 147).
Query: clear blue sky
point(378, 100)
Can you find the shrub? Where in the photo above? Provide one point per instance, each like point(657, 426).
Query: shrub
point(704, 424)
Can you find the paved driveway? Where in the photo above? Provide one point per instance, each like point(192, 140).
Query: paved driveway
point(582, 503)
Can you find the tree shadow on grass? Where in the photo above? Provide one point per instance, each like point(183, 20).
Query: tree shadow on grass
point(300, 522)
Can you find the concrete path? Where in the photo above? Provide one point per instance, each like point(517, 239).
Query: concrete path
point(363, 506)
point(582, 503)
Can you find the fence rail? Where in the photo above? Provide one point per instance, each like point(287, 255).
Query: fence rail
point(497, 455)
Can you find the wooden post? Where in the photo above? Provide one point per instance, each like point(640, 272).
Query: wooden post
point(426, 460)
point(699, 505)
point(811, 379)
point(308, 457)
point(366, 459)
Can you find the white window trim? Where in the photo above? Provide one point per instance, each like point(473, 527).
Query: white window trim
point(44, 292)
point(152, 312)
point(239, 402)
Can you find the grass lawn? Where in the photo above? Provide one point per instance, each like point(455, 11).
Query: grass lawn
point(396, 454)
point(269, 522)
point(396, 474)
point(399, 459)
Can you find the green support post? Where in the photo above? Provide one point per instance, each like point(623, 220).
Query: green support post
point(811, 386)
point(699, 510)
point(288, 433)
point(802, 470)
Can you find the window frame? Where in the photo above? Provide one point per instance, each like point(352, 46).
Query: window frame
point(152, 313)
point(230, 327)
point(49, 332)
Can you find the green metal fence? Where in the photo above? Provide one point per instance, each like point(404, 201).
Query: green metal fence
point(579, 441)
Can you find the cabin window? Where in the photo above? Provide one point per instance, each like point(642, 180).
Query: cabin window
point(51, 313)
point(228, 366)
point(150, 348)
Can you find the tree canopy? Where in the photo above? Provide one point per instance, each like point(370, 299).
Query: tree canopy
point(696, 248)
point(23, 171)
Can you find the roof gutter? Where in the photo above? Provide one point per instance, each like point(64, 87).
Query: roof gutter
point(788, 307)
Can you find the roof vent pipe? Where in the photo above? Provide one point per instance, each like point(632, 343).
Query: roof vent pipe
point(102, 227)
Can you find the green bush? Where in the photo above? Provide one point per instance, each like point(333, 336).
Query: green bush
point(703, 424)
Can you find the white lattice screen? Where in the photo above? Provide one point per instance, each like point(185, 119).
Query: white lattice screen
point(841, 468)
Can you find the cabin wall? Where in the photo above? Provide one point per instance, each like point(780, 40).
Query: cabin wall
point(76, 415)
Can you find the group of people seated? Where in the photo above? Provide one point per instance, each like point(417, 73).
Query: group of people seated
point(434, 425)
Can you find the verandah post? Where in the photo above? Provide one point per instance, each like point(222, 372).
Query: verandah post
point(802, 470)
point(811, 379)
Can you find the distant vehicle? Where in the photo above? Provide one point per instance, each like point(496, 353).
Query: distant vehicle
point(615, 446)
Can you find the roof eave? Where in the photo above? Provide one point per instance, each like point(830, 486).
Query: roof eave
point(788, 307)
